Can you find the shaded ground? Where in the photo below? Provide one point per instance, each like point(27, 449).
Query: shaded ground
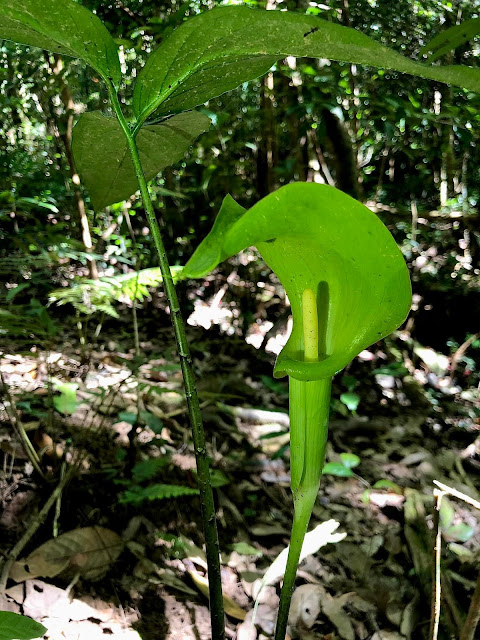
point(411, 427)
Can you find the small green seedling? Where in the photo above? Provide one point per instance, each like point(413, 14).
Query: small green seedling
point(343, 468)
point(348, 286)
point(13, 626)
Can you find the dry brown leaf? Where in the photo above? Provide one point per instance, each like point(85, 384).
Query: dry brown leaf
point(333, 609)
point(304, 608)
point(231, 608)
point(88, 551)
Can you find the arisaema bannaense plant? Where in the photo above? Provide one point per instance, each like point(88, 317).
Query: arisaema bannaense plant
point(348, 287)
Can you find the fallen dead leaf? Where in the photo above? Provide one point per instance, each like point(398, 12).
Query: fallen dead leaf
point(387, 635)
point(387, 500)
point(89, 552)
point(304, 609)
point(231, 608)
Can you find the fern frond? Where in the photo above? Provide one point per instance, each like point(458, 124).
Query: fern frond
point(90, 296)
point(136, 495)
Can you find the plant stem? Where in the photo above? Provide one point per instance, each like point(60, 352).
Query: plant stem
point(473, 617)
point(436, 569)
point(309, 409)
point(301, 518)
point(206, 493)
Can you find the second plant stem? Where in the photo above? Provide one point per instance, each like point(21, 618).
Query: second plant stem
point(203, 469)
point(309, 410)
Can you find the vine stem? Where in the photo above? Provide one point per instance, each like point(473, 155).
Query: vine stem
point(205, 487)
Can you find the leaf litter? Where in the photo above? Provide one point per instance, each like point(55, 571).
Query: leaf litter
point(372, 583)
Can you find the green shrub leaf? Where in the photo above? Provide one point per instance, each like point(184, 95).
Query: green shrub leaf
point(103, 159)
point(13, 626)
point(349, 460)
point(337, 469)
point(451, 38)
point(66, 402)
point(316, 237)
point(350, 400)
point(216, 51)
point(61, 26)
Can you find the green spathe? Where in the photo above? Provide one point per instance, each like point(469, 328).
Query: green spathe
point(317, 237)
point(13, 626)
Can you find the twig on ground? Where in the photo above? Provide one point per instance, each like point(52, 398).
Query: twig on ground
point(33, 527)
point(436, 577)
point(461, 352)
point(473, 617)
point(14, 418)
point(457, 494)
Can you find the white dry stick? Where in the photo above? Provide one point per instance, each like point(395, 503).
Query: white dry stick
point(314, 540)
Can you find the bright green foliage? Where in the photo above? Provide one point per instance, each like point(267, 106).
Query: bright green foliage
point(16, 627)
point(452, 38)
point(94, 296)
point(316, 237)
point(351, 400)
point(63, 27)
point(350, 460)
point(137, 495)
point(66, 400)
point(218, 50)
point(103, 159)
point(337, 469)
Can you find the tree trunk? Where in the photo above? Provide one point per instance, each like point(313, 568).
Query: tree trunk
point(65, 134)
point(346, 174)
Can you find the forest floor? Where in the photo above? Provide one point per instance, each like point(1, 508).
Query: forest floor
point(132, 564)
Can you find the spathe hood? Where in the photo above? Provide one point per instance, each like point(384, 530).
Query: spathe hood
point(317, 237)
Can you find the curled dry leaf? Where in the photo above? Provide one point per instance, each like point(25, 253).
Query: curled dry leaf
point(304, 609)
point(265, 620)
point(89, 552)
point(314, 540)
point(232, 609)
point(309, 601)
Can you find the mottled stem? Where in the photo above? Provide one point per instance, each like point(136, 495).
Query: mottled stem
point(204, 483)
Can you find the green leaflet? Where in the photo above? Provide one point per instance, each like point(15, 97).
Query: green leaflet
point(217, 50)
point(61, 26)
point(103, 160)
point(13, 626)
point(316, 237)
point(452, 38)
